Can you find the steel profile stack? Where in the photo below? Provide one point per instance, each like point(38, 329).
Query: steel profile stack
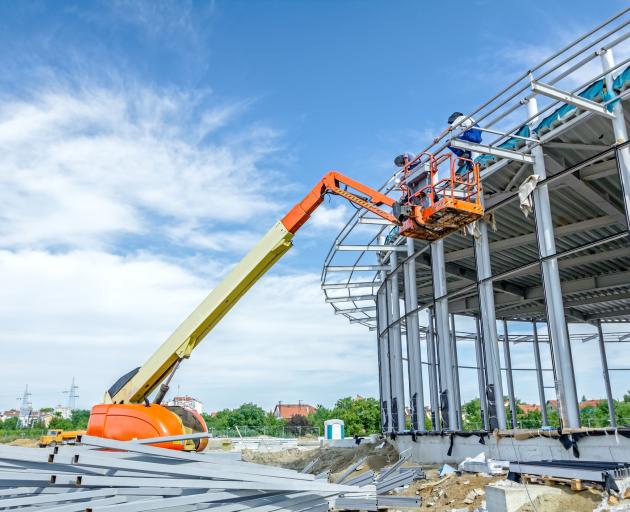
point(389, 478)
point(139, 477)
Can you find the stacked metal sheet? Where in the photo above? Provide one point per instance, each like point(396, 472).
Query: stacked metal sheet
point(389, 478)
point(142, 477)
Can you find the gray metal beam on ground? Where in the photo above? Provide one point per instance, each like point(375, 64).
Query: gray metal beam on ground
point(395, 348)
point(552, 290)
point(432, 373)
point(494, 384)
point(621, 134)
point(456, 389)
point(447, 392)
point(414, 354)
point(508, 372)
point(481, 377)
point(605, 373)
point(539, 378)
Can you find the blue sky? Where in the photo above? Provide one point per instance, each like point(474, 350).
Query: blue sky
point(147, 145)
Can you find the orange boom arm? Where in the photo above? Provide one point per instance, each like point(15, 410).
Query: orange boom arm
point(331, 183)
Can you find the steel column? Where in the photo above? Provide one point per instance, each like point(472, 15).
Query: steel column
point(508, 372)
point(494, 384)
point(481, 377)
point(414, 355)
point(395, 348)
point(383, 352)
point(456, 389)
point(539, 378)
point(602, 355)
point(447, 392)
point(621, 134)
point(559, 334)
point(433, 374)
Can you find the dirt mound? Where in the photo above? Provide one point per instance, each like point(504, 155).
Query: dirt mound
point(585, 501)
point(28, 443)
point(328, 459)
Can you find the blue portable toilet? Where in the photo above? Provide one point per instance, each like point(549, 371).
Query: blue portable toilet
point(334, 429)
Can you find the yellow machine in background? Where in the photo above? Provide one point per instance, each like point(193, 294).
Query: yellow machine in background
point(55, 437)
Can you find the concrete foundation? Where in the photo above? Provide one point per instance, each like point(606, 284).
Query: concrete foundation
point(433, 449)
point(509, 498)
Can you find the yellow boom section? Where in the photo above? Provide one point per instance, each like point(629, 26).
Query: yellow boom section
point(202, 320)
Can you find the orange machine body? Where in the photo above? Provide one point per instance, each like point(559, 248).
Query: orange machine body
point(126, 422)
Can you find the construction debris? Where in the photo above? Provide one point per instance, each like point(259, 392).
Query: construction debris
point(479, 464)
point(139, 477)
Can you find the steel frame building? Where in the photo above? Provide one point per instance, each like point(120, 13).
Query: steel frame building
point(566, 262)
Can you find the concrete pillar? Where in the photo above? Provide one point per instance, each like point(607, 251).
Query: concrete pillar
point(494, 384)
point(567, 393)
point(604, 359)
point(395, 348)
point(447, 393)
point(456, 389)
point(414, 354)
point(539, 378)
point(621, 134)
point(481, 377)
point(508, 372)
point(433, 373)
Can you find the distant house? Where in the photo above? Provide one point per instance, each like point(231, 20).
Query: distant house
point(187, 401)
point(11, 413)
point(43, 417)
point(287, 411)
point(527, 408)
point(583, 405)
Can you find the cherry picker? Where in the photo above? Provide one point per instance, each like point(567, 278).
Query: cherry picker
point(430, 207)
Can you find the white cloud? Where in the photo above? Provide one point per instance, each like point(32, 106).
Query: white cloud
point(79, 165)
point(95, 316)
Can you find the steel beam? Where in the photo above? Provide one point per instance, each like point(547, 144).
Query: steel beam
point(354, 310)
point(508, 372)
point(343, 286)
point(571, 99)
point(414, 355)
point(606, 375)
point(374, 220)
point(375, 248)
point(334, 300)
point(447, 391)
point(356, 268)
point(621, 134)
point(552, 290)
point(490, 150)
point(494, 384)
point(539, 378)
point(395, 348)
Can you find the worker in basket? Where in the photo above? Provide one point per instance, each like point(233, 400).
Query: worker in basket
point(409, 162)
point(471, 134)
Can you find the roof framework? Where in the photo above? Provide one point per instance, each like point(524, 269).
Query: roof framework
point(568, 261)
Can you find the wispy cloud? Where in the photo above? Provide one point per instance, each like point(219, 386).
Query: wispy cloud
point(83, 165)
